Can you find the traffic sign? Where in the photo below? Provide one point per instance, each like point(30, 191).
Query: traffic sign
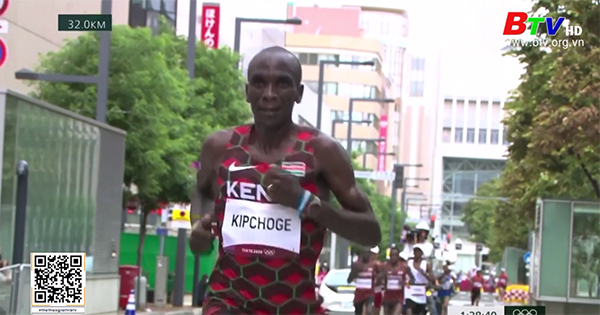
point(375, 175)
point(3, 26)
point(3, 53)
point(3, 6)
point(527, 257)
point(161, 231)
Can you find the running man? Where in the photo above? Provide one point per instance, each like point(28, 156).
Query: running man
point(378, 299)
point(265, 187)
point(366, 273)
point(502, 283)
point(397, 275)
point(446, 281)
point(476, 286)
point(416, 292)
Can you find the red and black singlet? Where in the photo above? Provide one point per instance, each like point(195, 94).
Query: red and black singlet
point(394, 283)
point(267, 255)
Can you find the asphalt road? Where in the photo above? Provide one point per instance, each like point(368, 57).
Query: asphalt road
point(464, 298)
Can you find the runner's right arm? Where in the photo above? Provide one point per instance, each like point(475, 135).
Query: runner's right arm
point(202, 201)
point(354, 270)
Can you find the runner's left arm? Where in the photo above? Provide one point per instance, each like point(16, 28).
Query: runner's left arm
point(356, 221)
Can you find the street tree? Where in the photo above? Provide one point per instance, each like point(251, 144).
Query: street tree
point(166, 115)
point(552, 123)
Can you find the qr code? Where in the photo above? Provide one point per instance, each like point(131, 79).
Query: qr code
point(58, 279)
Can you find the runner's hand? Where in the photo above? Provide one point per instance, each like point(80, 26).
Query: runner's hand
point(201, 238)
point(283, 188)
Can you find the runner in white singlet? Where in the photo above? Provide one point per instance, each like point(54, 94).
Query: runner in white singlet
point(415, 293)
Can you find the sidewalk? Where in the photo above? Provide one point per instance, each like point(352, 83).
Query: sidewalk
point(186, 309)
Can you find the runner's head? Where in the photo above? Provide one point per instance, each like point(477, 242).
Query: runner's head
point(366, 256)
point(394, 255)
point(374, 252)
point(274, 86)
point(417, 251)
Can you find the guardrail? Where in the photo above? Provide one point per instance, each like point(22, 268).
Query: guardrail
point(15, 294)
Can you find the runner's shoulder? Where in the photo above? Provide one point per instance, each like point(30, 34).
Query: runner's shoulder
point(218, 140)
point(323, 143)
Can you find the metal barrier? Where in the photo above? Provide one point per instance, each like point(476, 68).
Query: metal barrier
point(15, 297)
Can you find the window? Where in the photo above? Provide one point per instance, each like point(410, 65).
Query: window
point(146, 13)
point(464, 183)
point(416, 88)
point(313, 59)
point(470, 135)
point(458, 135)
point(482, 136)
point(457, 208)
point(303, 58)
point(494, 136)
point(417, 77)
point(504, 137)
point(584, 252)
point(385, 28)
point(446, 132)
point(345, 89)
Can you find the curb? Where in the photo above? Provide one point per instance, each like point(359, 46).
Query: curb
point(196, 311)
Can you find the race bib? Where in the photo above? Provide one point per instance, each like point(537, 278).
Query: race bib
point(364, 283)
point(393, 284)
point(416, 290)
point(477, 284)
point(260, 229)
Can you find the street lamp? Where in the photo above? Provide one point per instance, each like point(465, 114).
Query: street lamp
point(322, 64)
point(237, 38)
point(398, 182)
point(403, 197)
point(341, 121)
point(100, 79)
point(351, 110)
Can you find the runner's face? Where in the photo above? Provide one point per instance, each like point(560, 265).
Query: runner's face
point(272, 89)
point(394, 256)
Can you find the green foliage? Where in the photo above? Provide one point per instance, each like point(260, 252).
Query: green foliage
point(166, 115)
point(552, 127)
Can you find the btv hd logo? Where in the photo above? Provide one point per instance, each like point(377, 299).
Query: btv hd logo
point(515, 25)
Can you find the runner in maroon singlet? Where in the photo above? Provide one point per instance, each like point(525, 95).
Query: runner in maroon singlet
point(366, 273)
point(397, 274)
point(264, 188)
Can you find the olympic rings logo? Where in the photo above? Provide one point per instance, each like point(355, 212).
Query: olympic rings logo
point(524, 312)
point(271, 252)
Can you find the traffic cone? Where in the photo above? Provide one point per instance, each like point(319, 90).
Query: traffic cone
point(130, 309)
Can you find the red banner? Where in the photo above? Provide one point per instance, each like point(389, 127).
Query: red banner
point(383, 130)
point(211, 17)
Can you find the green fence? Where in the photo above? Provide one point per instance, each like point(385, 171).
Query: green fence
point(129, 246)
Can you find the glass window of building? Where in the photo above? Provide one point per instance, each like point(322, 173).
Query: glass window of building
point(446, 133)
point(482, 136)
point(584, 253)
point(146, 13)
point(504, 136)
point(464, 183)
point(494, 136)
point(313, 59)
point(458, 135)
point(303, 58)
point(471, 135)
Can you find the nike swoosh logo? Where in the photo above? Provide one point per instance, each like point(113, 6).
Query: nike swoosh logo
point(236, 168)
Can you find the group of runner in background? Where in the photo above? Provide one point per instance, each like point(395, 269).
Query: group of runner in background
point(405, 282)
